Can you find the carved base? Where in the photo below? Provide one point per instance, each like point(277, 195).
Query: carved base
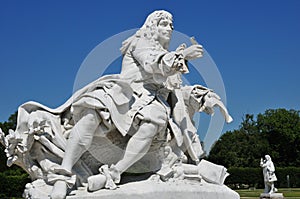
point(271, 196)
point(150, 189)
point(146, 189)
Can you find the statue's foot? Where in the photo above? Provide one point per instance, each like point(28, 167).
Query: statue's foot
point(59, 190)
point(115, 174)
point(96, 182)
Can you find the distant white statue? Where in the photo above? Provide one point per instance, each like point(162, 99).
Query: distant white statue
point(116, 122)
point(269, 174)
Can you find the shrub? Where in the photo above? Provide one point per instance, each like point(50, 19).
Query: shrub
point(12, 183)
point(253, 177)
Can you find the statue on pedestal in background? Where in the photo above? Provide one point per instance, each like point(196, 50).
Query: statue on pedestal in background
point(269, 179)
point(269, 174)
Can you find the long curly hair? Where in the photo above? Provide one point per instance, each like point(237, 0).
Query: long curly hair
point(149, 29)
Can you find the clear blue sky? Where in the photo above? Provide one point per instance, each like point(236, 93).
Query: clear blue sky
point(255, 45)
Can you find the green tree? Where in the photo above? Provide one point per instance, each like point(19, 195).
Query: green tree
point(10, 124)
point(12, 179)
point(5, 126)
point(281, 127)
point(239, 149)
point(275, 132)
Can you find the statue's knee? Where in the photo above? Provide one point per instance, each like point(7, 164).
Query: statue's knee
point(92, 116)
point(150, 120)
point(87, 115)
point(83, 131)
point(147, 130)
point(78, 112)
point(152, 127)
point(155, 114)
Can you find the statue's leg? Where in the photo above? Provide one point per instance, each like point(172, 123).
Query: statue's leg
point(267, 187)
point(137, 146)
point(152, 119)
point(79, 141)
point(80, 138)
point(272, 188)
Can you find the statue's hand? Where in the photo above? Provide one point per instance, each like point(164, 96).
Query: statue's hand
point(181, 47)
point(193, 52)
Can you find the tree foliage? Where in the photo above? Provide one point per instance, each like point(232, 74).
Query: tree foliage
point(282, 130)
point(12, 183)
point(275, 132)
point(10, 124)
point(12, 179)
point(5, 126)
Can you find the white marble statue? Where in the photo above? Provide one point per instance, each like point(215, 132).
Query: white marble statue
point(269, 174)
point(119, 122)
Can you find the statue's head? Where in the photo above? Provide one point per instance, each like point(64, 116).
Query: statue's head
point(267, 157)
point(154, 18)
point(158, 26)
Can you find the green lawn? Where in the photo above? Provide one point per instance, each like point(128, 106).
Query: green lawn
point(292, 193)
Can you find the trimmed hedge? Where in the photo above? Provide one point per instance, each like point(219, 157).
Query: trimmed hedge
point(294, 176)
point(12, 183)
point(244, 176)
point(253, 177)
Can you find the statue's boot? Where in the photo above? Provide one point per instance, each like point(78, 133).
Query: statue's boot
point(106, 179)
point(62, 179)
point(59, 190)
point(96, 182)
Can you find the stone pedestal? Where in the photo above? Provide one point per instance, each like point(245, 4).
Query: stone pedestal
point(151, 189)
point(146, 189)
point(271, 196)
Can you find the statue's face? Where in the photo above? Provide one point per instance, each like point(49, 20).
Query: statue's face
point(164, 29)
